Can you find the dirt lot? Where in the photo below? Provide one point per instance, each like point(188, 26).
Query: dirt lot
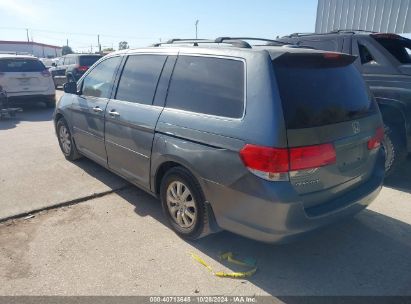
point(119, 244)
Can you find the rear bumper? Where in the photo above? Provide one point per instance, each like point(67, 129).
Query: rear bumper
point(25, 99)
point(274, 212)
point(59, 80)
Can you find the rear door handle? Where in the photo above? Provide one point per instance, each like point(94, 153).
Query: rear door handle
point(113, 113)
point(97, 109)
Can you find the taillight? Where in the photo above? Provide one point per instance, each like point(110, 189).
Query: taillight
point(82, 68)
point(46, 73)
point(265, 159)
point(312, 157)
point(275, 163)
point(332, 55)
point(375, 141)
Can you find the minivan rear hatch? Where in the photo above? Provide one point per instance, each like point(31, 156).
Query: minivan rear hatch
point(333, 123)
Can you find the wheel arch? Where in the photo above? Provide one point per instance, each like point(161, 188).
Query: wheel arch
point(59, 114)
point(57, 117)
point(163, 168)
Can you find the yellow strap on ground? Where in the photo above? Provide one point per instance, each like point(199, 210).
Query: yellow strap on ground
point(229, 257)
point(201, 261)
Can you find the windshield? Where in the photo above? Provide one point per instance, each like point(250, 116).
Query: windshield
point(399, 47)
point(21, 65)
point(317, 96)
point(88, 60)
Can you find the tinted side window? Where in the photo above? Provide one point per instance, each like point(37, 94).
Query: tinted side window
point(99, 81)
point(208, 85)
point(365, 55)
point(398, 47)
point(88, 60)
point(139, 79)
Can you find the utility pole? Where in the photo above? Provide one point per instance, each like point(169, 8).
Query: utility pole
point(27, 32)
point(197, 21)
point(67, 42)
point(99, 45)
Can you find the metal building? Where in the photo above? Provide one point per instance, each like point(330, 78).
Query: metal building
point(40, 50)
point(373, 15)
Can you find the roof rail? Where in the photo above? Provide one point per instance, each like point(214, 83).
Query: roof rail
point(188, 40)
point(340, 31)
point(351, 31)
point(269, 41)
point(183, 40)
point(300, 34)
point(234, 41)
point(196, 42)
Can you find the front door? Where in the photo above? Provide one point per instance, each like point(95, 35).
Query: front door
point(89, 108)
point(131, 118)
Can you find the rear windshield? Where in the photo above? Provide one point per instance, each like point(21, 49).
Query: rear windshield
point(88, 60)
point(317, 96)
point(400, 48)
point(21, 65)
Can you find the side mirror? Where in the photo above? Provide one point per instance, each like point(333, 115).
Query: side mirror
point(70, 87)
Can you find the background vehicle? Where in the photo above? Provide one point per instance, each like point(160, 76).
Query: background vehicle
point(26, 80)
point(385, 62)
point(72, 67)
point(227, 138)
point(48, 62)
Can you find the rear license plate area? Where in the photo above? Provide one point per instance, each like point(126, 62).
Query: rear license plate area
point(24, 81)
point(351, 157)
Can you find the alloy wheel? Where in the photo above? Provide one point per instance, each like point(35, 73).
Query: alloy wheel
point(65, 140)
point(181, 205)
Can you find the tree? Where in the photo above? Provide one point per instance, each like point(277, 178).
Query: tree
point(66, 50)
point(123, 45)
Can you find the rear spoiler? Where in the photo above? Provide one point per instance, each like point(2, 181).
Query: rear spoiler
point(314, 60)
point(389, 36)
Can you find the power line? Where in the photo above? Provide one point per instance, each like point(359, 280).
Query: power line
point(78, 34)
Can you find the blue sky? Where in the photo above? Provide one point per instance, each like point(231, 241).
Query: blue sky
point(142, 22)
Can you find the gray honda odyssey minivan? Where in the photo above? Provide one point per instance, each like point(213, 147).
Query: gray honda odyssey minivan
point(266, 141)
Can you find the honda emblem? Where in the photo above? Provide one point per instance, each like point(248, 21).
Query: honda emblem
point(356, 127)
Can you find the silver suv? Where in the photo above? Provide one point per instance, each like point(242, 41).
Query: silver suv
point(265, 141)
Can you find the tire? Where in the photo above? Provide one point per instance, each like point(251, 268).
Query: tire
point(395, 150)
point(187, 226)
point(66, 142)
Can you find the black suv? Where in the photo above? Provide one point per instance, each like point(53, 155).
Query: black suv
point(72, 67)
point(384, 59)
